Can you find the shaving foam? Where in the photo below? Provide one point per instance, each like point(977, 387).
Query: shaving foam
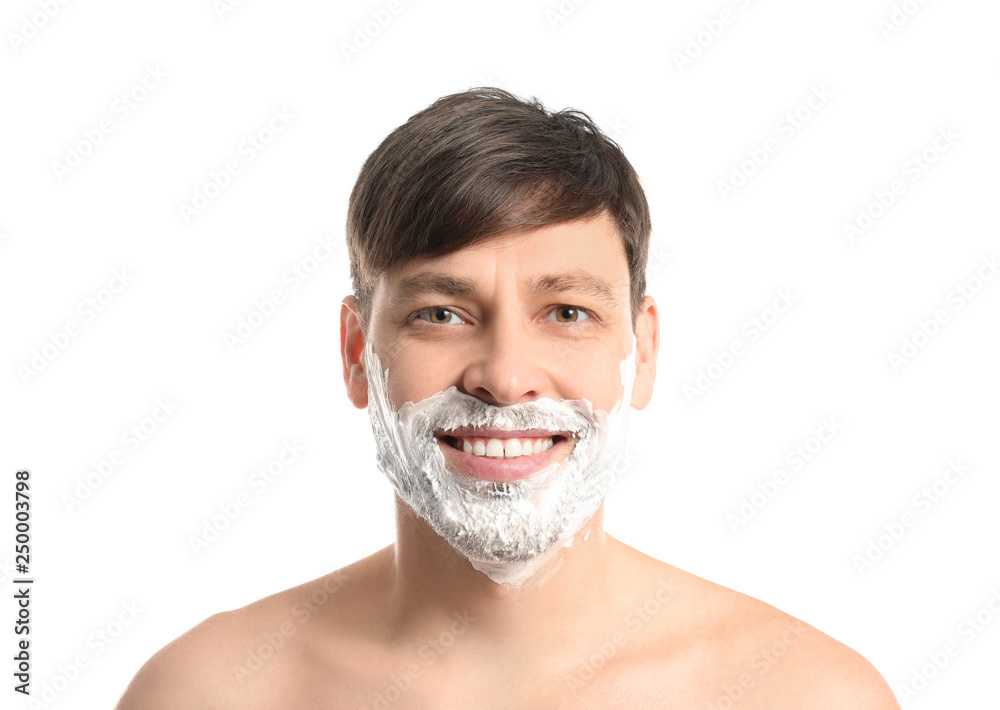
point(508, 530)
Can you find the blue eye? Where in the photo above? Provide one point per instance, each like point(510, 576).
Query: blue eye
point(569, 314)
point(439, 316)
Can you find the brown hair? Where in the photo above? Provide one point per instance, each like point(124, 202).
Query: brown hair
point(481, 162)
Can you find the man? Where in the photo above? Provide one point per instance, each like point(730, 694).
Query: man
point(499, 334)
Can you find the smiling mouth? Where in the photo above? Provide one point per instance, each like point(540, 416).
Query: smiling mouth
point(498, 455)
point(502, 448)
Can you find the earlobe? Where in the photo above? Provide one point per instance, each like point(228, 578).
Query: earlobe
point(647, 345)
point(352, 343)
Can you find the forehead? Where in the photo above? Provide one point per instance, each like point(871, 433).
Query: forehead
point(580, 255)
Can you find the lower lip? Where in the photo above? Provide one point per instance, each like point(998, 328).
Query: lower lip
point(487, 468)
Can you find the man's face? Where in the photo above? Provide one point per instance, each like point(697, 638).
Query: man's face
point(511, 361)
point(541, 313)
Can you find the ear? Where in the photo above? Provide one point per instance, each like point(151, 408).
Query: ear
point(352, 342)
point(647, 345)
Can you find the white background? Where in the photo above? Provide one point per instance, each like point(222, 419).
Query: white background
point(718, 262)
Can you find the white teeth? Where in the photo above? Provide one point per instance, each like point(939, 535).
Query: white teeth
point(503, 448)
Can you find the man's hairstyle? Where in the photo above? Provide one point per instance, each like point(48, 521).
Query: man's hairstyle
point(481, 162)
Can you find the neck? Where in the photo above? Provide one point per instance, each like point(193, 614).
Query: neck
point(432, 583)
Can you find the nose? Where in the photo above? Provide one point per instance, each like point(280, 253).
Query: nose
point(505, 369)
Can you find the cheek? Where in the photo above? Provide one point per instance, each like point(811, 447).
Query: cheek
point(591, 374)
point(415, 376)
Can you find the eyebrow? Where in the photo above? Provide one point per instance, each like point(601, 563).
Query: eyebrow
point(424, 282)
point(576, 281)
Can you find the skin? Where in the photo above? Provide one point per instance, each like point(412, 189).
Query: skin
point(416, 626)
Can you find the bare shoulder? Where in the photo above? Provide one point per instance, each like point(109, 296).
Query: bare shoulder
point(799, 666)
point(746, 653)
point(253, 656)
point(192, 671)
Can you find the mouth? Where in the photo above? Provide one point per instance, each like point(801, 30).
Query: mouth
point(497, 455)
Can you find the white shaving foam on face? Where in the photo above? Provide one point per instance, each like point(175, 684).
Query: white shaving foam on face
point(509, 530)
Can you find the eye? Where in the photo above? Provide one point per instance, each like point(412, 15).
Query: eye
point(569, 314)
point(438, 316)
